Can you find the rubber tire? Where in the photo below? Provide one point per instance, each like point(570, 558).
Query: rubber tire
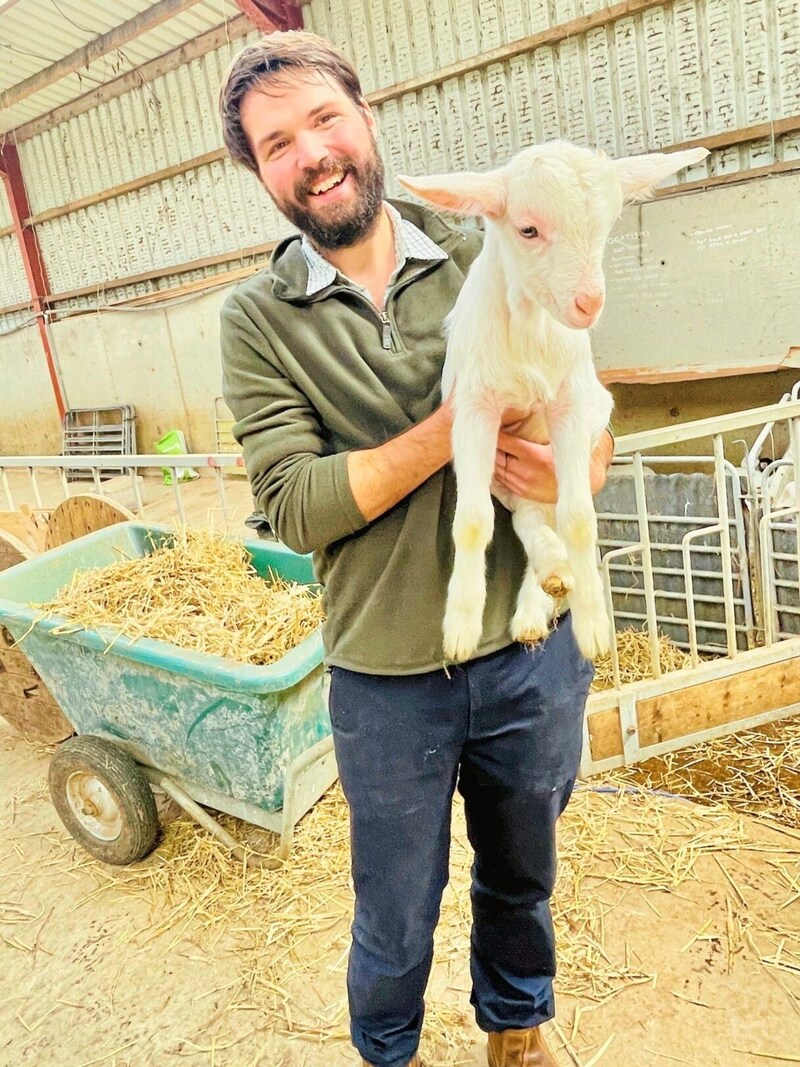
point(122, 777)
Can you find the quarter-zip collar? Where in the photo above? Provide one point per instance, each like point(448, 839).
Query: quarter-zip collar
point(289, 266)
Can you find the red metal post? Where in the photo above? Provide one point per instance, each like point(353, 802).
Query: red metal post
point(35, 270)
point(271, 15)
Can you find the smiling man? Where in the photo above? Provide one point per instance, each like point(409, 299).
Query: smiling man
point(332, 359)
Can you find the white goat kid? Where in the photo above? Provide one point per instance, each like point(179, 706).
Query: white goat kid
point(518, 338)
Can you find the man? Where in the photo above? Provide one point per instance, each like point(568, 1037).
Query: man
point(332, 361)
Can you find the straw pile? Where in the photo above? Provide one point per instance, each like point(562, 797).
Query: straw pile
point(635, 660)
point(200, 592)
point(756, 772)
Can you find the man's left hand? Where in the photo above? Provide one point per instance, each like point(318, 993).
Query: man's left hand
point(528, 470)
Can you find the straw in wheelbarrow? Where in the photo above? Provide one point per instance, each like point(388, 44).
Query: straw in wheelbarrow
point(198, 591)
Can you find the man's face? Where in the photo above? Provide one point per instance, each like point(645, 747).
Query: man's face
point(317, 157)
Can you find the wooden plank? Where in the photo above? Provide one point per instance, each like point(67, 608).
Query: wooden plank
point(717, 702)
point(232, 30)
point(12, 551)
point(605, 734)
point(552, 35)
point(101, 45)
point(12, 661)
point(727, 138)
point(80, 515)
point(159, 272)
point(37, 718)
point(127, 187)
point(785, 167)
point(22, 527)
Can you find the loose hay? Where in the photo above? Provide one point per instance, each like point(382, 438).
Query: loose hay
point(635, 662)
point(288, 923)
point(199, 592)
point(756, 772)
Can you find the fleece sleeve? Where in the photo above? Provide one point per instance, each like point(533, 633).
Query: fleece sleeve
point(302, 489)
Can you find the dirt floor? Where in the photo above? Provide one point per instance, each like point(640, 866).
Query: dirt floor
point(679, 929)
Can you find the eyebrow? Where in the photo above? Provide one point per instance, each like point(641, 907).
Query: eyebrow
point(270, 137)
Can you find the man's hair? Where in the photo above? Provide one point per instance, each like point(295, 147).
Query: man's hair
point(292, 53)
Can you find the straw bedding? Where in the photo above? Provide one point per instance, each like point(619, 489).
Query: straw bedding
point(200, 592)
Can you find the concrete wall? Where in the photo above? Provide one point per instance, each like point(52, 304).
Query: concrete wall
point(163, 361)
point(28, 416)
point(693, 281)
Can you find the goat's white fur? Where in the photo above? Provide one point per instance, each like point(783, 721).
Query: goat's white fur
point(518, 339)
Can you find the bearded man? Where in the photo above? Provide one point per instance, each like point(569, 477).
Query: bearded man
point(332, 360)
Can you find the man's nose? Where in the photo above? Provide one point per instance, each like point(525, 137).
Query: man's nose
point(311, 149)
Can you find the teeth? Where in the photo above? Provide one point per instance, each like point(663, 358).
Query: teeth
point(324, 186)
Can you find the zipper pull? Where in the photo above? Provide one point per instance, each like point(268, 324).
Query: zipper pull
point(386, 334)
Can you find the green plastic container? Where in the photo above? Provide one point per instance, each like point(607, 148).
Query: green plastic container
point(173, 443)
point(203, 719)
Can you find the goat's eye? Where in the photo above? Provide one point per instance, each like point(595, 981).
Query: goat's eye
point(529, 232)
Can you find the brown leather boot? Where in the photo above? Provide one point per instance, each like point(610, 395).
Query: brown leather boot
point(519, 1048)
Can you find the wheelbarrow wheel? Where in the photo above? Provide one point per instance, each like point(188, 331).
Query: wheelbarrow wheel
point(103, 799)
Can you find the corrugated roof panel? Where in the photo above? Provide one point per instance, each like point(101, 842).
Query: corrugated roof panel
point(13, 283)
point(58, 37)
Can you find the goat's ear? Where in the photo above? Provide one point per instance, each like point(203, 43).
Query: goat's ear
point(640, 175)
point(465, 194)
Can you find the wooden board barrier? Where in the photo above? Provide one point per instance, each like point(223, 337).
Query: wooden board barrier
point(693, 708)
point(25, 701)
point(12, 551)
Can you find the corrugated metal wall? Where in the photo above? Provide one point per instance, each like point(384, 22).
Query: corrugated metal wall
point(674, 72)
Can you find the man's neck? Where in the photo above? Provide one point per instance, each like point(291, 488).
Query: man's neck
point(371, 262)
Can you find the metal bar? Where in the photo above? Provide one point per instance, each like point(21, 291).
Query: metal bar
point(7, 489)
point(703, 428)
point(37, 496)
point(669, 594)
point(178, 498)
point(647, 563)
point(32, 261)
point(137, 493)
point(721, 486)
point(605, 564)
point(707, 624)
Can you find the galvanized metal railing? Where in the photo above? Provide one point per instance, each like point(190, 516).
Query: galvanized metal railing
point(215, 463)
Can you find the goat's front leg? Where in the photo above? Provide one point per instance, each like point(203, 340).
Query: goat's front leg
point(474, 445)
point(577, 525)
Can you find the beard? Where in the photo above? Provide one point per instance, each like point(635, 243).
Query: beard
point(342, 225)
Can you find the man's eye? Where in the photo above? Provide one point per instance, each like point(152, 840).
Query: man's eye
point(326, 118)
point(529, 232)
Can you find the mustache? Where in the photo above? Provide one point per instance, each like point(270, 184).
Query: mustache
point(328, 168)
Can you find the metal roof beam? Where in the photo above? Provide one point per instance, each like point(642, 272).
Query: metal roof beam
point(99, 46)
point(271, 15)
point(32, 260)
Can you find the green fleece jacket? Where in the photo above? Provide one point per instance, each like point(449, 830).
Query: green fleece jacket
point(308, 379)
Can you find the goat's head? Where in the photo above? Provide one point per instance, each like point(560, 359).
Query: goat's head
point(553, 207)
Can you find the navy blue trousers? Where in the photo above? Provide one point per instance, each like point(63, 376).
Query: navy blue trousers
point(506, 729)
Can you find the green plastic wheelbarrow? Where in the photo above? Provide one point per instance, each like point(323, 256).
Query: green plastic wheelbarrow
point(250, 741)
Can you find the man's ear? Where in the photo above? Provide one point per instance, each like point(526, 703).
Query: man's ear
point(463, 193)
point(369, 114)
point(639, 175)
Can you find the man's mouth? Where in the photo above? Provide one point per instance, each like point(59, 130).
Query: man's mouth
point(324, 185)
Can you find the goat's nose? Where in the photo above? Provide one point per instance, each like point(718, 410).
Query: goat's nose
point(589, 303)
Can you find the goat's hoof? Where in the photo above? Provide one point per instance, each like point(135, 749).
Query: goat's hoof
point(530, 625)
point(593, 635)
point(558, 585)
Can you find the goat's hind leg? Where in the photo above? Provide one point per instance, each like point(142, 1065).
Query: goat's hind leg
point(547, 576)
